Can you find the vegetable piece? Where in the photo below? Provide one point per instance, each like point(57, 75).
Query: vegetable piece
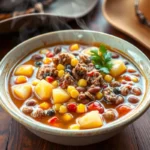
point(123, 109)
point(53, 120)
point(96, 106)
point(60, 96)
point(61, 73)
point(90, 120)
point(118, 68)
point(109, 115)
point(134, 79)
point(74, 127)
point(99, 95)
point(74, 47)
point(102, 59)
point(21, 79)
point(23, 91)
point(72, 107)
point(108, 78)
point(49, 79)
point(70, 88)
point(81, 108)
point(43, 90)
point(25, 70)
point(49, 54)
point(35, 82)
point(82, 83)
point(47, 60)
point(56, 107)
point(55, 84)
point(67, 117)
point(74, 93)
point(74, 62)
point(60, 67)
point(62, 109)
point(44, 105)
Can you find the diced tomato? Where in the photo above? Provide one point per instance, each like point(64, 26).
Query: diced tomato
point(53, 120)
point(96, 106)
point(127, 78)
point(49, 79)
point(49, 54)
point(90, 74)
point(72, 107)
point(123, 109)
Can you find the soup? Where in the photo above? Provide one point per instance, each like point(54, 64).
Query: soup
point(76, 86)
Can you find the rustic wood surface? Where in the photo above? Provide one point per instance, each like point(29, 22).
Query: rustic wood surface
point(14, 136)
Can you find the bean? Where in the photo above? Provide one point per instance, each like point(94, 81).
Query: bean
point(81, 89)
point(86, 101)
point(116, 91)
point(81, 96)
point(131, 70)
point(115, 55)
point(119, 100)
point(27, 110)
point(31, 102)
point(94, 90)
point(124, 91)
point(136, 91)
point(50, 112)
point(115, 84)
point(109, 115)
point(38, 113)
point(38, 64)
point(126, 63)
point(133, 99)
point(36, 57)
point(57, 49)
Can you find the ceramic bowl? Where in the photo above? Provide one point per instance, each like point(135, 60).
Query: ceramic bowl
point(69, 137)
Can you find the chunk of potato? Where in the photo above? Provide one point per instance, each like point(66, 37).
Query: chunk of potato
point(43, 90)
point(118, 68)
point(90, 120)
point(26, 70)
point(60, 96)
point(22, 91)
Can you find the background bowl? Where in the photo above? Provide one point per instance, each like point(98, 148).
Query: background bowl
point(67, 137)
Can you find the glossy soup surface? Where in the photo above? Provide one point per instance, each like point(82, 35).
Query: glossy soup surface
point(60, 86)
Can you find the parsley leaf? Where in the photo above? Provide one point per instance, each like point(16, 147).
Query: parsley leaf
point(102, 59)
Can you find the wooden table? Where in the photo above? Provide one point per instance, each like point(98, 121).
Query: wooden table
point(14, 136)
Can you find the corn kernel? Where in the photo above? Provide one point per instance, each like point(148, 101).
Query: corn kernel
point(21, 79)
point(134, 79)
point(67, 117)
point(99, 95)
point(44, 105)
point(70, 88)
point(82, 82)
point(47, 60)
point(61, 73)
point(108, 78)
point(60, 67)
point(62, 109)
point(74, 47)
point(74, 93)
point(35, 82)
point(44, 51)
point(81, 108)
point(74, 62)
point(74, 127)
point(55, 84)
point(56, 107)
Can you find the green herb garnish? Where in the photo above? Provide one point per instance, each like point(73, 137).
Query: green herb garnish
point(102, 62)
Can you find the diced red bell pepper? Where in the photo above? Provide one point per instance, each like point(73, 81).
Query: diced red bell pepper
point(53, 120)
point(49, 79)
point(72, 107)
point(49, 54)
point(127, 78)
point(123, 109)
point(90, 74)
point(96, 106)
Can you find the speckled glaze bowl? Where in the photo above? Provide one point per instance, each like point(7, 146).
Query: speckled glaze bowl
point(62, 136)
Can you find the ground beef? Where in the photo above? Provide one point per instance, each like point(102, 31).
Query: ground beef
point(62, 58)
point(46, 71)
point(79, 71)
point(84, 59)
point(111, 97)
point(66, 80)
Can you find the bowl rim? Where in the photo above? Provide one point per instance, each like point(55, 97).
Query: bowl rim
point(35, 125)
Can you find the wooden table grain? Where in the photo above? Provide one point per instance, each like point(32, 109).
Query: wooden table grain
point(14, 136)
